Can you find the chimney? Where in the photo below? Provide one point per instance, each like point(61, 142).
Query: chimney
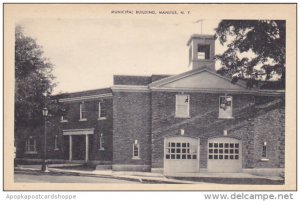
point(202, 51)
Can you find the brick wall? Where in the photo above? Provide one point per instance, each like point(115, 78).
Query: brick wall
point(131, 121)
point(204, 121)
point(23, 134)
point(101, 126)
point(248, 125)
point(56, 127)
point(37, 132)
point(269, 126)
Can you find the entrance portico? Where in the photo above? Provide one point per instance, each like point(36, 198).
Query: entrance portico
point(78, 132)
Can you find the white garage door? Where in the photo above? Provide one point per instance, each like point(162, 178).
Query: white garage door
point(181, 154)
point(224, 155)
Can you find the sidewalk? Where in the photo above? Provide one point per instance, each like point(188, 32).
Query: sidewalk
point(141, 177)
point(150, 177)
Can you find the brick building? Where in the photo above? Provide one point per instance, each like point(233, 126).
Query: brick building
point(197, 121)
point(83, 133)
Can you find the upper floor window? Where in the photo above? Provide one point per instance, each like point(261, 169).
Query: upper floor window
point(82, 112)
point(182, 105)
point(203, 52)
point(136, 150)
point(101, 110)
point(63, 118)
point(225, 107)
point(63, 113)
point(30, 145)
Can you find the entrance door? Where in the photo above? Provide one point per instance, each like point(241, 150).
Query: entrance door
point(78, 147)
point(224, 155)
point(181, 154)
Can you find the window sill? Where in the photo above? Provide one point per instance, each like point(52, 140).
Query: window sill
point(225, 117)
point(101, 149)
point(31, 152)
point(136, 158)
point(56, 149)
point(101, 118)
point(264, 159)
point(63, 121)
point(181, 117)
point(82, 119)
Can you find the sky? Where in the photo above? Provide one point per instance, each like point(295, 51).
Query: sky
point(87, 52)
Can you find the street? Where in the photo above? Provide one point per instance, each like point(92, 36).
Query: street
point(32, 177)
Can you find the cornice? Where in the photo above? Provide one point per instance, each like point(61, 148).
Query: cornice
point(209, 90)
point(86, 131)
point(83, 98)
point(130, 88)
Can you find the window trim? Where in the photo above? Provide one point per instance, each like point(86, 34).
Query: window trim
point(188, 107)
point(229, 117)
point(99, 111)
point(138, 150)
point(27, 142)
point(80, 112)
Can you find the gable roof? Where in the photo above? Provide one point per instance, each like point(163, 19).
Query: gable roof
point(198, 79)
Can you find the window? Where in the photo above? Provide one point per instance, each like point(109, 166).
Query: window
point(203, 52)
point(56, 143)
point(225, 107)
point(223, 151)
point(63, 118)
point(82, 112)
point(182, 106)
point(101, 142)
point(30, 145)
point(264, 155)
point(101, 111)
point(180, 150)
point(63, 115)
point(264, 152)
point(136, 150)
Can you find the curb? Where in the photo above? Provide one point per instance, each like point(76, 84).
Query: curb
point(237, 180)
point(139, 179)
point(162, 180)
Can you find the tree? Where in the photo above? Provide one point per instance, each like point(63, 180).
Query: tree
point(33, 80)
point(255, 51)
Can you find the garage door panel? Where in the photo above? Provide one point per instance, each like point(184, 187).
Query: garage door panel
point(224, 155)
point(181, 154)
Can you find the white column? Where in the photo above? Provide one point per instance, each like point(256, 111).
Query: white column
point(70, 147)
point(86, 147)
